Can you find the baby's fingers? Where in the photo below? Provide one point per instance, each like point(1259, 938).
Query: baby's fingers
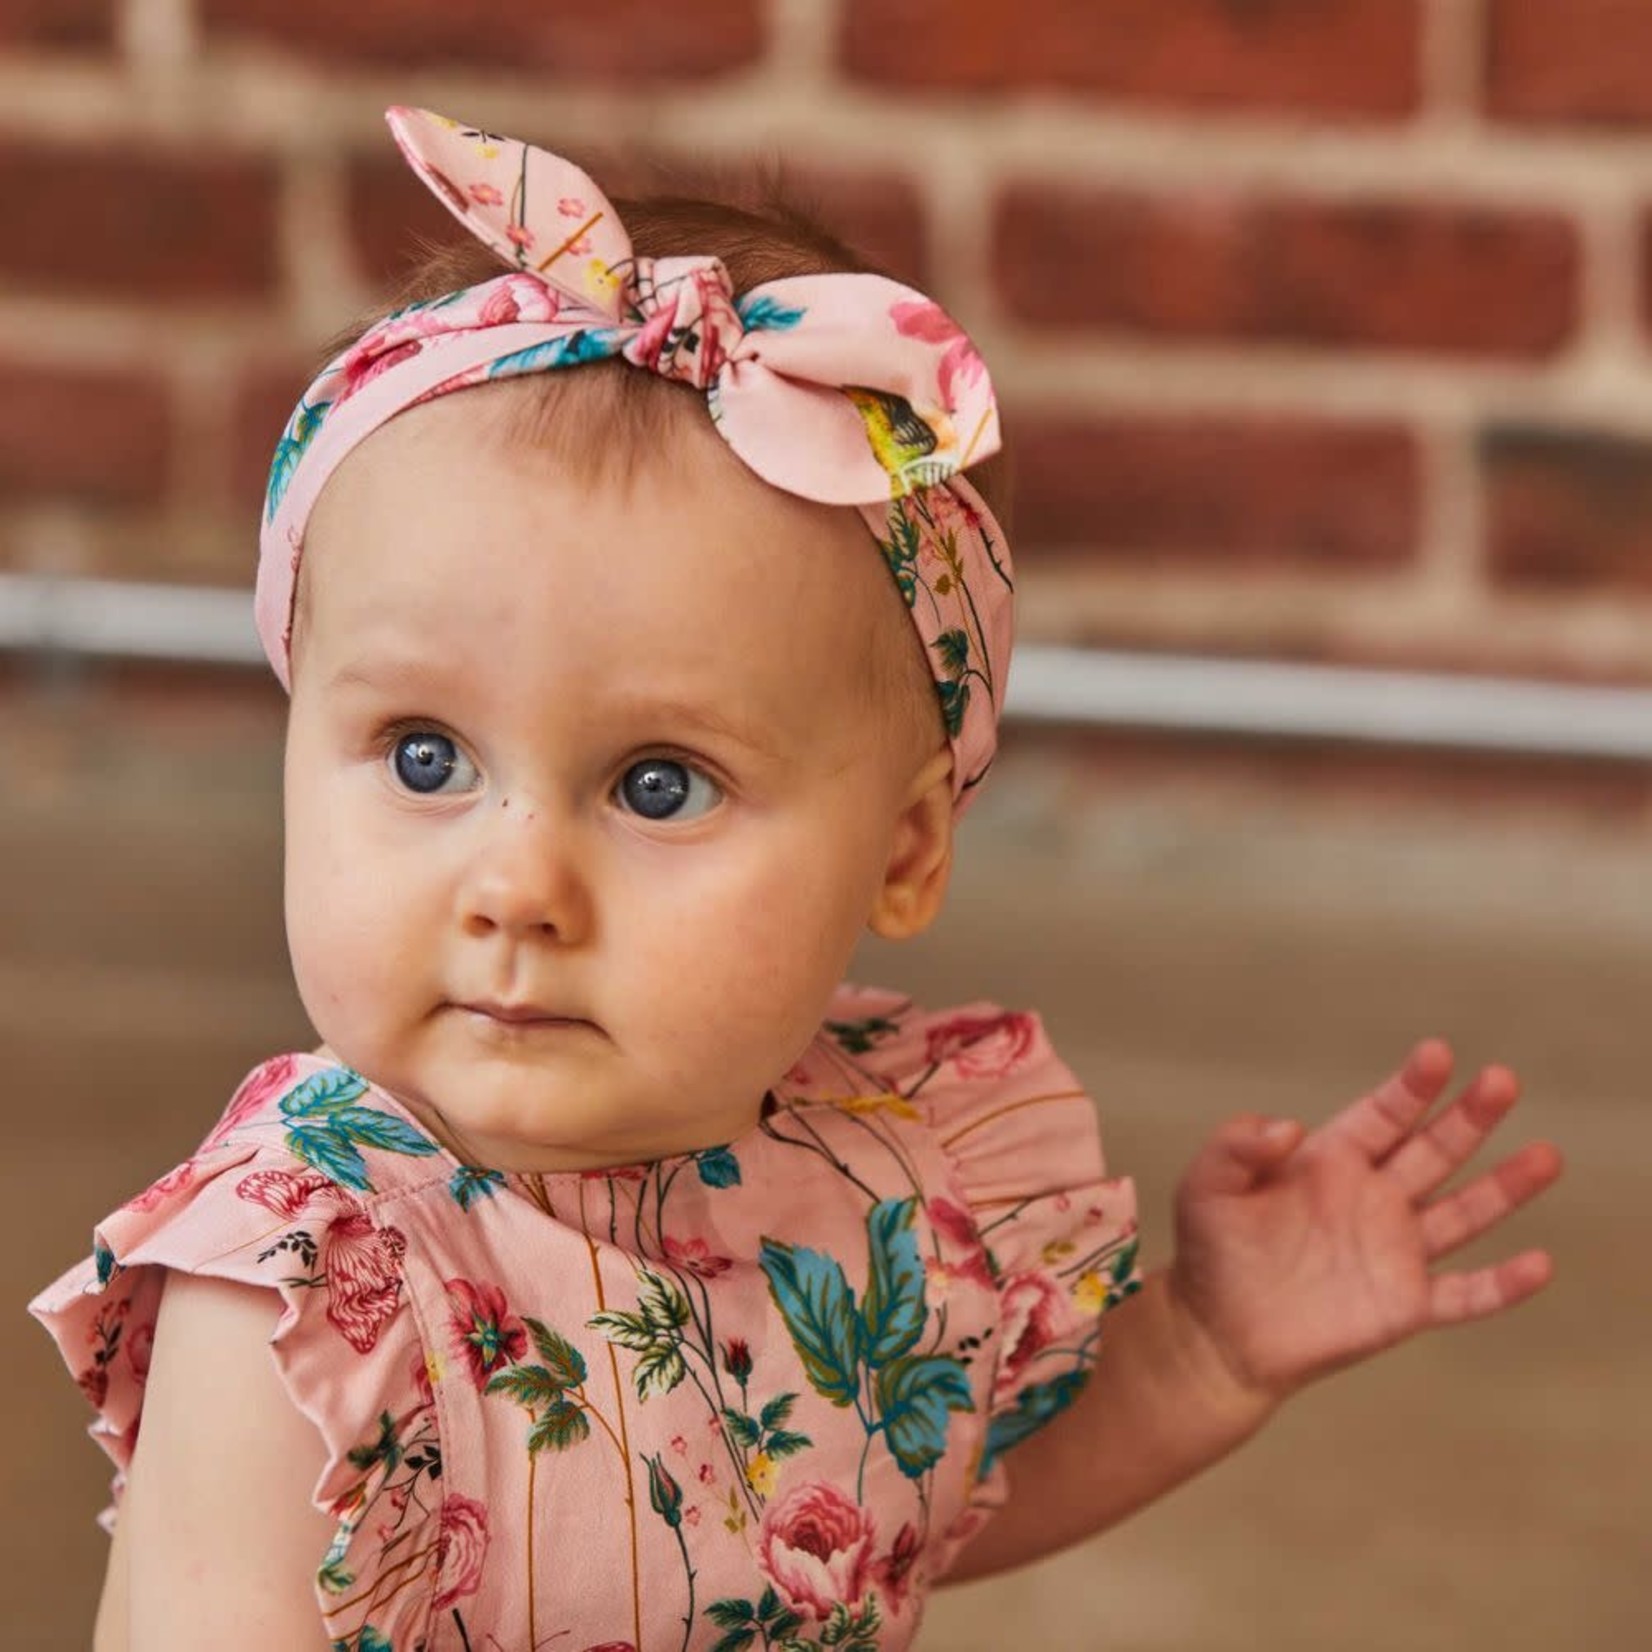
point(1239, 1154)
point(1453, 1221)
point(1426, 1159)
point(1385, 1116)
point(1457, 1297)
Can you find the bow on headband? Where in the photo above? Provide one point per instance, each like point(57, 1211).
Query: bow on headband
point(849, 389)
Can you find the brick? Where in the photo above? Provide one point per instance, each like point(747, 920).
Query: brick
point(97, 436)
point(1585, 62)
point(393, 216)
point(57, 23)
point(1342, 57)
point(1382, 275)
point(132, 225)
point(618, 40)
point(1567, 510)
point(1268, 494)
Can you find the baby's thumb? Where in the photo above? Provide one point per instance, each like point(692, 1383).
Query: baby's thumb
point(1239, 1154)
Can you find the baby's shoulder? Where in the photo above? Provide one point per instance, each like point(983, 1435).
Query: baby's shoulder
point(981, 1080)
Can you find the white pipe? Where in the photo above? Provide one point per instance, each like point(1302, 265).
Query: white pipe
point(1095, 687)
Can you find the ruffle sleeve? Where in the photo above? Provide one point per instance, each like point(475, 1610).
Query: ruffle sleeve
point(1037, 1210)
point(247, 1210)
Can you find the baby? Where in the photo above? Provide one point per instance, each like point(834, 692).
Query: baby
point(613, 1277)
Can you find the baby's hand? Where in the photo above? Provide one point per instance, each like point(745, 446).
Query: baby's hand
point(1299, 1252)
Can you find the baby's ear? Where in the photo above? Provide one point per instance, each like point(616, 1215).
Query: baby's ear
point(920, 856)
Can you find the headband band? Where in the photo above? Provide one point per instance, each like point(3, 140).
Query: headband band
point(848, 389)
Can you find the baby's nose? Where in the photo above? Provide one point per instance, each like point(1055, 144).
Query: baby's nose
point(524, 879)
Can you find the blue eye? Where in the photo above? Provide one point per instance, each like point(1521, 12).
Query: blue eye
point(426, 761)
point(659, 788)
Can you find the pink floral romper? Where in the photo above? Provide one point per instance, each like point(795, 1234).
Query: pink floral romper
point(756, 1396)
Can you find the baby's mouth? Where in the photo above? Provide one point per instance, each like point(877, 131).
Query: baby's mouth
point(523, 1015)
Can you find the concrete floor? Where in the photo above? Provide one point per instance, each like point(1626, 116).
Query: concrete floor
point(1261, 939)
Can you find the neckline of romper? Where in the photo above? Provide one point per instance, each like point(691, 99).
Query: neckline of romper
point(400, 1173)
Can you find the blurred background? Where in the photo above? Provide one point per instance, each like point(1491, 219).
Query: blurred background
point(1323, 330)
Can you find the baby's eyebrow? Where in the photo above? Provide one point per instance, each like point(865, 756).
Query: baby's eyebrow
point(669, 714)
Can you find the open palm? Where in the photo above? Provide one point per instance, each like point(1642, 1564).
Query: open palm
point(1301, 1252)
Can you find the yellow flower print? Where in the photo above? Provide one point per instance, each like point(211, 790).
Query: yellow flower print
point(762, 1475)
point(1090, 1292)
point(898, 1105)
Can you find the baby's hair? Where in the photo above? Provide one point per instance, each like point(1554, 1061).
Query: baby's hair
point(624, 413)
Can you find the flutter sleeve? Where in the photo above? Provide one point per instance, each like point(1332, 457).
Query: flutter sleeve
point(245, 1209)
point(1036, 1209)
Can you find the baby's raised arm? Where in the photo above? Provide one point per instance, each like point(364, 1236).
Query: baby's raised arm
point(1297, 1253)
point(216, 1539)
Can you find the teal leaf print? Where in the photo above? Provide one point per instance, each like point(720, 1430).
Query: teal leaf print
point(954, 698)
point(784, 1443)
point(627, 1330)
point(894, 1312)
point(563, 1426)
point(659, 1370)
point(328, 1124)
point(588, 344)
point(334, 1577)
point(777, 1410)
point(862, 1037)
point(300, 432)
point(914, 1396)
point(373, 1128)
point(323, 1094)
point(1034, 1407)
point(718, 1167)
point(663, 1305)
point(566, 1362)
point(104, 1260)
point(736, 1640)
point(529, 1385)
point(953, 647)
point(730, 1614)
point(760, 312)
point(818, 1307)
point(330, 1153)
point(468, 1185)
point(742, 1429)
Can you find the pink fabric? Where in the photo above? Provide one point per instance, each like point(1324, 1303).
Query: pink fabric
point(848, 389)
point(774, 1380)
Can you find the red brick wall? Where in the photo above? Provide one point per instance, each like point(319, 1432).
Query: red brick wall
point(1323, 327)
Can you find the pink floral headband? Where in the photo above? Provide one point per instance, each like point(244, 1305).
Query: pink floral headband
point(849, 389)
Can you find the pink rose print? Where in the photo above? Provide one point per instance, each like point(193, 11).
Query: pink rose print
point(461, 1543)
point(486, 195)
point(983, 1046)
point(292, 1193)
point(485, 1331)
point(894, 1569)
point(273, 1078)
point(500, 308)
point(815, 1546)
point(364, 1278)
point(174, 1181)
point(1034, 1311)
point(694, 1256)
point(963, 1256)
point(961, 364)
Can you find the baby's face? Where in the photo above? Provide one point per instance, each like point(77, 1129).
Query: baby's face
point(587, 793)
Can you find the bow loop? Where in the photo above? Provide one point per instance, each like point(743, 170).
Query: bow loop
point(688, 323)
